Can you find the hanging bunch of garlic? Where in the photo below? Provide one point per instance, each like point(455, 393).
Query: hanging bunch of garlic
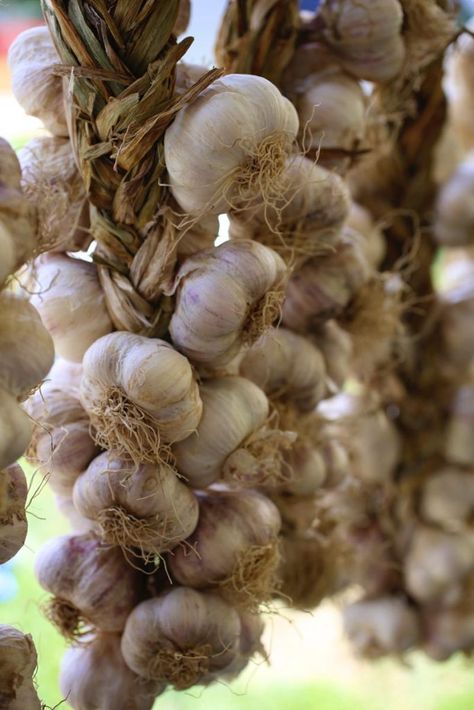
point(26, 354)
point(18, 662)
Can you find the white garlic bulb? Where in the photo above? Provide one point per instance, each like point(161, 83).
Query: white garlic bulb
point(16, 430)
point(323, 286)
point(226, 298)
point(7, 253)
point(231, 440)
point(233, 548)
point(332, 112)
point(37, 89)
point(180, 637)
point(305, 217)
point(337, 349)
point(454, 219)
point(18, 663)
point(437, 564)
point(145, 507)
point(380, 626)
point(91, 584)
point(27, 351)
point(287, 367)
point(71, 303)
point(10, 170)
point(448, 498)
point(94, 675)
point(13, 523)
point(459, 446)
point(229, 145)
point(52, 183)
point(366, 36)
point(140, 394)
point(373, 240)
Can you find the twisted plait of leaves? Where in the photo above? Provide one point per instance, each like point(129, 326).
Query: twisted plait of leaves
point(119, 59)
point(258, 37)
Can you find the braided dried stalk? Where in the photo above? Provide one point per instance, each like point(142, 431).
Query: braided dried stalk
point(258, 37)
point(119, 59)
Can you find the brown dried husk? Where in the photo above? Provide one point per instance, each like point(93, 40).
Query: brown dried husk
point(122, 426)
point(254, 577)
point(258, 37)
point(181, 669)
point(120, 61)
point(263, 316)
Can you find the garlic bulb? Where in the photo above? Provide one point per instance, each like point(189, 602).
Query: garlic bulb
point(231, 440)
point(71, 303)
point(373, 241)
point(286, 367)
point(52, 183)
point(36, 87)
point(94, 675)
point(7, 253)
point(78, 523)
point(92, 585)
point(448, 498)
point(305, 217)
point(308, 470)
point(448, 631)
point(227, 148)
point(226, 298)
point(234, 547)
point(10, 170)
point(147, 507)
point(366, 36)
point(18, 662)
point(457, 317)
point(140, 394)
point(181, 637)
point(459, 447)
point(25, 344)
point(15, 430)
point(13, 523)
point(337, 349)
point(305, 578)
point(250, 644)
point(454, 219)
point(380, 626)
point(323, 286)
point(200, 235)
point(437, 564)
point(332, 112)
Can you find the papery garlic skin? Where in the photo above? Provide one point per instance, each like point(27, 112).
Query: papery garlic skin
point(91, 584)
point(454, 219)
point(228, 143)
point(332, 112)
point(146, 507)
point(447, 498)
point(381, 626)
point(13, 523)
point(10, 170)
point(148, 374)
point(77, 522)
point(18, 663)
point(52, 183)
point(305, 217)
point(234, 547)
point(7, 253)
point(71, 303)
point(309, 470)
point(323, 286)
point(94, 675)
point(233, 409)
point(37, 89)
point(459, 445)
point(27, 351)
point(436, 565)
point(201, 235)
point(226, 297)
point(366, 36)
point(250, 645)
point(286, 367)
point(447, 631)
point(373, 242)
point(180, 637)
point(15, 430)
point(337, 349)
